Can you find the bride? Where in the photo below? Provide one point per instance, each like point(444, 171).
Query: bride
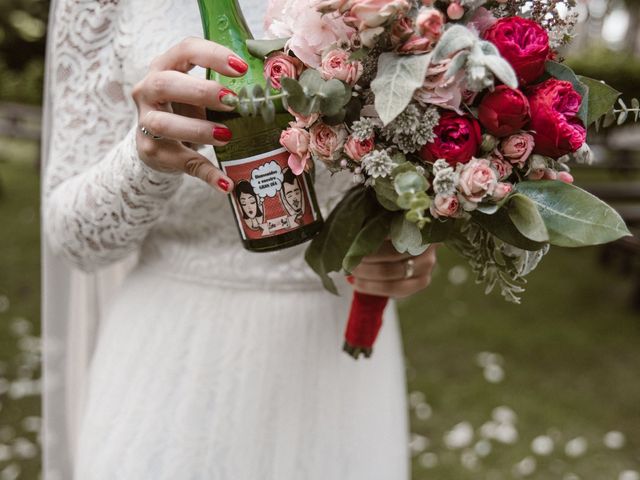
point(171, 352)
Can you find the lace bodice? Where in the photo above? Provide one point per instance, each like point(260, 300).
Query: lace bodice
point(101, 201)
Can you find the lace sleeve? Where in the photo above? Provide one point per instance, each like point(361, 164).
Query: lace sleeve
point(100, 199)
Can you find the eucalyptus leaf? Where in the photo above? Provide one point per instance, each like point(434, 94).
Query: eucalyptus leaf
point(562, 72)
point(410, 182)
point(296, 98)
point(369, 240)
point(573, 217)
point(386, 194)
point(332, 97)
point(328, 249)
point(500, 225)
point(602, 98)
point(406, 236)
point(311, 81)
point(262, 48)
point(526, 218)
point(398, 77)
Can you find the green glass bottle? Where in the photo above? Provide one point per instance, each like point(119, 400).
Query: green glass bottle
point(273, 208)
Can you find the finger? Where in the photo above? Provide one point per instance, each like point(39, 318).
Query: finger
point(197, 51)
point(393, 289)
point(171, 86)
point(186, 110)
point(382, 271)
point(193, 130)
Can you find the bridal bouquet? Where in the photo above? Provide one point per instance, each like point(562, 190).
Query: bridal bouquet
point(457, 121)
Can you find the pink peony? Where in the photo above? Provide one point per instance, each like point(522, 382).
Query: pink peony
point(554, 118)
point(504, 111)
point(365, 14)
point(296, 141)
point(517, 148)
point(477, 180)
point(445, 206)
point(309, 31)
point(327, 6)
point(278, 65)
point(356, 149)
point(326, 141)
point(336, 64)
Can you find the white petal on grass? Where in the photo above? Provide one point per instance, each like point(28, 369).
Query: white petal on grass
point(525, 467)
point(24, 448)
point(629, 475)
point(614, 440)
point(506, 433)
point(503, 414)
point(416, 398)
point(428, 460)
point(483, 448)
point(488, 358)
point(423, 411)
point(457, 275)
point(32, 424)
point(20, 326)
point(576, 447)
point(493, 373)
point(469, 460)
point(5, 453)
point(460, 436)
point(418, 443)
point(4, 303)
point(542, 445)
point(10, 472)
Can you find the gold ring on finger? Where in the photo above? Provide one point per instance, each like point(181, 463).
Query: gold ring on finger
point(146, 131)
point(409, 268)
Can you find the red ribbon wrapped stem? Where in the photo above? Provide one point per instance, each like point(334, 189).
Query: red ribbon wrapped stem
point(365, 320)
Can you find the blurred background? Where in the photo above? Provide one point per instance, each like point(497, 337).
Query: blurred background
point(546, 390)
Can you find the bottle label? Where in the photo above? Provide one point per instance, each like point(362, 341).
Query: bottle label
point(268, 199)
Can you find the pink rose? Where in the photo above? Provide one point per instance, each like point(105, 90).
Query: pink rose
point(278, 65)
point(304, 121)
point(296, 141)
point(356, 149)
point(430, 22)
point(336, 64)
point(445, 206)
point(477, 180)
point(501, 191)
point(437, 91)
point(503, 168)
point(416, 45)
point(365, 14)
point(565, 177)
point(326, 141)
point(554, 118)
point(455, 11)
point(517, 148)
point(457, 139)
point(523, 43)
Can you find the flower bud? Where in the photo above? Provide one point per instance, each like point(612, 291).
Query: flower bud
point(455, 11)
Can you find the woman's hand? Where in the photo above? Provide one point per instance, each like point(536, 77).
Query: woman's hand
point(171, 104)
point(385, 272)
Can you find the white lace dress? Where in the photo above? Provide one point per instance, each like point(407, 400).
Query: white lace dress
point(213, 363)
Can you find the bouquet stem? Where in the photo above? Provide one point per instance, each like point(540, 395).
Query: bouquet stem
point(365, 320)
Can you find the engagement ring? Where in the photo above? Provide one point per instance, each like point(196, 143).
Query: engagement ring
point(144, 130)
point(409, 268)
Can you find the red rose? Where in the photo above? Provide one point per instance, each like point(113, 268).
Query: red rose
point(504, 111)
point(523, 43)
point(554, 118)
point(457, 139)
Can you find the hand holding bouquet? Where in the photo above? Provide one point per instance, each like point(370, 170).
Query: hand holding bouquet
point(457, 124)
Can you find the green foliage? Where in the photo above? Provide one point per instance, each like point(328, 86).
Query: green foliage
point(602, 97)
point(368, 240)
point(398, 77)
point(312, 94)
point(526, 218)
point(262, 48)
point(573, 217)
point(406, 236)
point(256, 100)
point(501, 225)
point(328, 249)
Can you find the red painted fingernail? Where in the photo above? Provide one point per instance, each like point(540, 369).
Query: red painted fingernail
point(351, 279)
point(222, 134)
point(227, 97)
point(223, 184)
point(238, 64)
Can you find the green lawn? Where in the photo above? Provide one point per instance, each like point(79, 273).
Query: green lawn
point(569, 355)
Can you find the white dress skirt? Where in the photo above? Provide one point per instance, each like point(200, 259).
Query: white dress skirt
point(212, 362)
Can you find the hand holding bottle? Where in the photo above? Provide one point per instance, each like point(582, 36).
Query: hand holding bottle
point(171, 104)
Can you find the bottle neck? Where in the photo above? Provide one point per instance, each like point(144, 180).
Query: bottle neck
point(223, 23)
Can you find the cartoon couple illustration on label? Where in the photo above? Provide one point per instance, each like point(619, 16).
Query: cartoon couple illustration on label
point(272, 200)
